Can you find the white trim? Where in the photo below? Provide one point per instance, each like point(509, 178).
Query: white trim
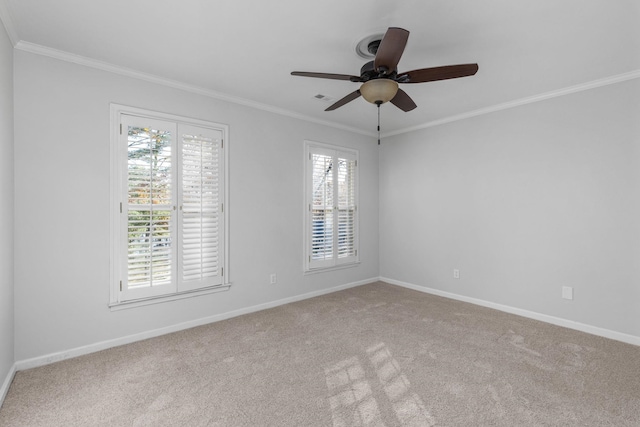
point(7, 20)
point(7, 383)
point(104, 66)
point(101, 65)
point(593, 330)
point(103, 345)
point(117, 306)
point(523, 101)
point(333, 268)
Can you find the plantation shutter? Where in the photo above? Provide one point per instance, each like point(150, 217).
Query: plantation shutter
point(347, 245)
point(322, 204)
point(170, 177)
point(201, 216)
point(332, 205)
point(149, 207)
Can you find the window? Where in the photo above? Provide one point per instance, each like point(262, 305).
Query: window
point(331, 201)
point(168, 192)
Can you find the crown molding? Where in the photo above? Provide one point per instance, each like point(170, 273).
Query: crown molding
point(127, 72)
point(105, 66)
point(7, 20)
point(523, 101)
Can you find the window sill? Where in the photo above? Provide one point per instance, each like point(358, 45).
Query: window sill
point(335, 267)
point(117, 306)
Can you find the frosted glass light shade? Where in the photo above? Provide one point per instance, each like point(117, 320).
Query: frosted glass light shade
point(379, 91)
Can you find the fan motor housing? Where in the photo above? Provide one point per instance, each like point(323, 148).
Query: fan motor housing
point(368, 72)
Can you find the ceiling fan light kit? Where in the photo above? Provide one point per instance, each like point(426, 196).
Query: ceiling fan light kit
point(379, 91)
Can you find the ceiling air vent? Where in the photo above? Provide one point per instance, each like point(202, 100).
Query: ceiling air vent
point(325, 98)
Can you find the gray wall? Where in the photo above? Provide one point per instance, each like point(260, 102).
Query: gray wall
point(6, 207)
point(62, 206)
point(523, 201)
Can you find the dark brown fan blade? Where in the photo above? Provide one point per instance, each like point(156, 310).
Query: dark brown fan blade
point(326, 76)
point(438, 73)
point(403, 101)
point(346, 99)
point(390, 50)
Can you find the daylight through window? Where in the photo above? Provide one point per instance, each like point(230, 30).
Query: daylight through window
point(169, 188)
point(332, 217)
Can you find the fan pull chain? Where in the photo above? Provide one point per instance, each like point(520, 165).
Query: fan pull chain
point(378, 122)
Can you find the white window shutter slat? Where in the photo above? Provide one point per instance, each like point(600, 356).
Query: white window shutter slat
point(332, 200)
point(322, 207)
point(201, 200)
point(346, 208)
point(150, 196)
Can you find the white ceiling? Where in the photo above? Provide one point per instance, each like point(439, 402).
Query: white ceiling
point(246, 49)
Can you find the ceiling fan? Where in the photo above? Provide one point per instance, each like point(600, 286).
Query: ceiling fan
point(380, 77)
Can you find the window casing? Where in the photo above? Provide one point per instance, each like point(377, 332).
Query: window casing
point(331, 206)
point(169, 234)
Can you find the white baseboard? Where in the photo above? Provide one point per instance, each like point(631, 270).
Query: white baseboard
point(4, 389)
point(594, 330)
point(103, 345)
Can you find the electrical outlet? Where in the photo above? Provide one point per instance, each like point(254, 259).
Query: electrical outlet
point(456, 273)
point(273, 279)
point(567, 292)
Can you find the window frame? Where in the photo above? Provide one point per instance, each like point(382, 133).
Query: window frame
point(118, 182)
point(335, 262)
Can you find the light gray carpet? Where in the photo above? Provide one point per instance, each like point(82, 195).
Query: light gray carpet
point(375, 355)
